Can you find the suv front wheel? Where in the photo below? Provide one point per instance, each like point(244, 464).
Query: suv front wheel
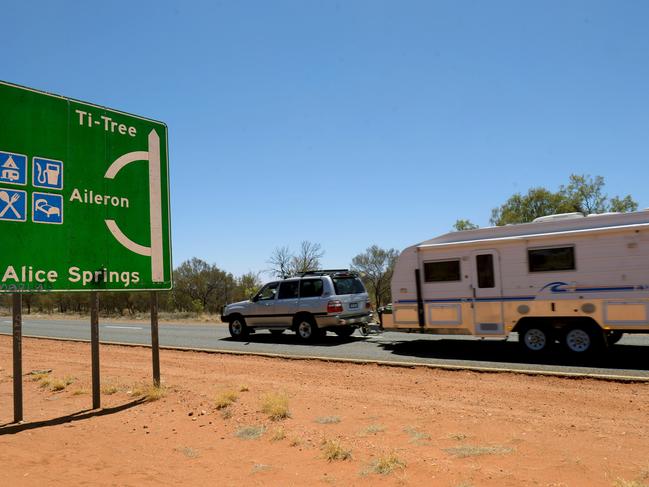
point(238, 328)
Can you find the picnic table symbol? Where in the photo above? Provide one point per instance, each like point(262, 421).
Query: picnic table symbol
point(12, 205)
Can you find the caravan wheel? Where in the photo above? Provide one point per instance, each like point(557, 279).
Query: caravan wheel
point(535, 339)
point(583, 340)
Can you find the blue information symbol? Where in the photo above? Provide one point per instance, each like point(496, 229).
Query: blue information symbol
point(47, 208)
point(47, 173)
point(13, 205)
point(13, 168)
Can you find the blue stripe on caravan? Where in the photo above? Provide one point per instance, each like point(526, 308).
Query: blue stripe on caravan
point(603, 289)
point(459, 300)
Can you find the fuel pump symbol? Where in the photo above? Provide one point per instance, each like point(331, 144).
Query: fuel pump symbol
point(47, 173)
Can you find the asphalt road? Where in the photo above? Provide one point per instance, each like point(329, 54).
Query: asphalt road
point(628, 358)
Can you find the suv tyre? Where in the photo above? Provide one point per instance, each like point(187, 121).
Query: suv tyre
point(238, 328)
point(306, 329)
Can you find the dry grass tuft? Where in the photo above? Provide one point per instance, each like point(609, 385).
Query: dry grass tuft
point(334, 451)
point(328, 420)
point(109, 389)
point(188, 452)
point(52, 383)
point(458, 436)
point(387, 464)
point(278, 434)
point(80, 392)
point(225, 399)
point(416, 435)
point(475, 451)
point(149, 392)
point(275, 405)
point(628, 483)
point(373, 429)
point(243, 388)
point(250, 432)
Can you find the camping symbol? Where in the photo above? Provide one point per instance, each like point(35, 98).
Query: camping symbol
point(12, 168)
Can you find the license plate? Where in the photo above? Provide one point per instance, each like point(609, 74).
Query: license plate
point(353, 305)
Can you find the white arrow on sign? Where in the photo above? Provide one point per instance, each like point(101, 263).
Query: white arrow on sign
point(155, 209)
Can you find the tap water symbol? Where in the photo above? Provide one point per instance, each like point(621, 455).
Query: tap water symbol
point(152, 156)
point(13, 205)
point(47, 173)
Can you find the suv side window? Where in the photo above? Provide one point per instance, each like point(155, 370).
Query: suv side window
point(310, 288)
point(288, 289)
point(267, 292)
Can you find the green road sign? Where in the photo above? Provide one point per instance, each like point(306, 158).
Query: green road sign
point(84, 196)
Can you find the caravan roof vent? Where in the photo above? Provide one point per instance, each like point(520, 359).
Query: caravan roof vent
point(558, 216)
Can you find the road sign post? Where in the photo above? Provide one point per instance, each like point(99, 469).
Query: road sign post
point(155, 345)
point(94, 349)
point(16, 310)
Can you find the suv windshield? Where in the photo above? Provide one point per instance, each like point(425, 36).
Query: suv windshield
point(348, 285)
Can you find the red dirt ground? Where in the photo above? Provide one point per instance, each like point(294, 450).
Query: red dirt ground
point(446, 428)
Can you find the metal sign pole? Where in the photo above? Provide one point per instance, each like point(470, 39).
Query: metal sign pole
point(94, 345)
point(18, 356)
point(155, 344)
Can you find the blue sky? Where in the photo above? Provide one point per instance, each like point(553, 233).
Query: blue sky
point(352, 123)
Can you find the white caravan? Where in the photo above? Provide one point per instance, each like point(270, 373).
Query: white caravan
point(582, 281)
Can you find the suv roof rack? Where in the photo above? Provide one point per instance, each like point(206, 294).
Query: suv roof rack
point(325, 272)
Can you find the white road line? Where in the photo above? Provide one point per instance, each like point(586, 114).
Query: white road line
point(124, 327)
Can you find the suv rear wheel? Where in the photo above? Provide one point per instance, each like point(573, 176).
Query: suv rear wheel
point(306, 329)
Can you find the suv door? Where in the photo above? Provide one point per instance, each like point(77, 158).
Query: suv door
point(310, 296)
point(262, 308)
point(286, 303)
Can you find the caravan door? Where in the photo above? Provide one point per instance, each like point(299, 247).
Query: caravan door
point(487, 293)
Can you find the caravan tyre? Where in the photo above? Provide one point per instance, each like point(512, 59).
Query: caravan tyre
point(535, 339)
point(583, 340)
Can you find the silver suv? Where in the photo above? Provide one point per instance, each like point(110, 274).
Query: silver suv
point(310, 304)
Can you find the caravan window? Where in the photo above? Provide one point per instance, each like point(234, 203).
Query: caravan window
point(442, 270)
point(552, 259)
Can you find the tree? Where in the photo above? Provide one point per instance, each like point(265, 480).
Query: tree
point(375, 266)
point(583, 194)
point(200, 286)
point(280, 260)
point(460, 225)
point(308, 259)
point(286, 264)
